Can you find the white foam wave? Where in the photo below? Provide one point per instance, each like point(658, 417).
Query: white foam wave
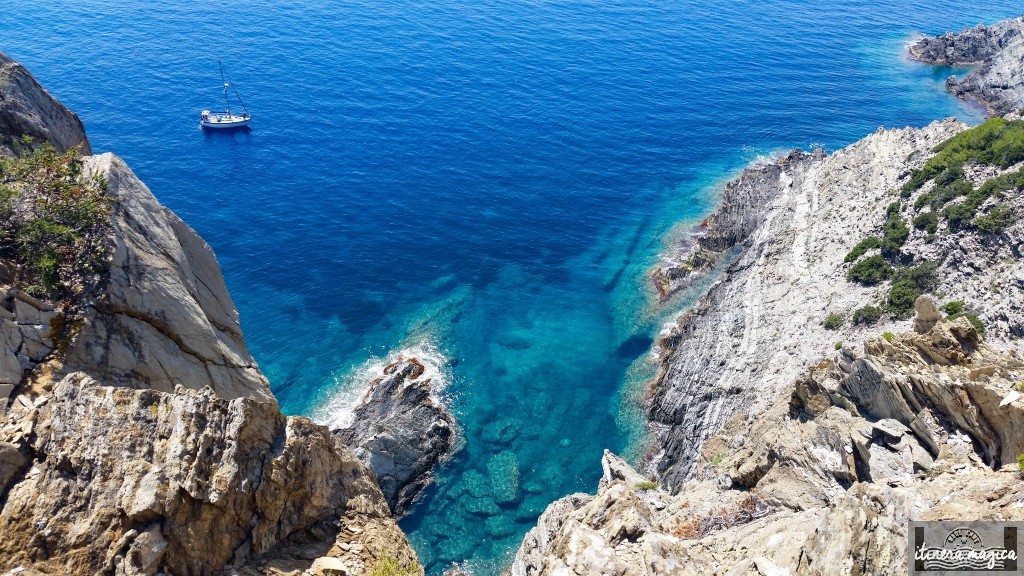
point(336, 411)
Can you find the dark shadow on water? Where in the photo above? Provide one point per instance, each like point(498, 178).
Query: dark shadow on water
point(634, 346)
point(233, 135)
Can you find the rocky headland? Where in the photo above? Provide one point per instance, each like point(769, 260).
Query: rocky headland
point(856, 365)
point(997, 51)
point(137, 434)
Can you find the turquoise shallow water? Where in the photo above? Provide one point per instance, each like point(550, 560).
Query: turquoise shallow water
point(484, 183)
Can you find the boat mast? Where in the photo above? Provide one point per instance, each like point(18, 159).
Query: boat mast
point(244, 109)
point(227, 105)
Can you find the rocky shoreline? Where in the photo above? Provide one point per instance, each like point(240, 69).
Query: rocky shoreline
point(997, 50)
point(800, 420)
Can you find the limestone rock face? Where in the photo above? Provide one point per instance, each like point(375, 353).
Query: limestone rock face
point(999, 49)
point(401, 432)
point(138, 480)
point(761, 324)
point(164, 317)
point(27, 109)
point(828, 475)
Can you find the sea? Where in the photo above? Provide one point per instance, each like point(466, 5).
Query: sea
point(485, 185)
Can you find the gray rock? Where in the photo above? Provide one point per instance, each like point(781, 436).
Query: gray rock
point(26, 108)
point(926, 314)
point(891, 430)
point(759, 326)
point(999, 49)
point(165, 317)
point(401, 432)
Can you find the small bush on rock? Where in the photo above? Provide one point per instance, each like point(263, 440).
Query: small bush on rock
point(927, 221)
point(862, 247)
point(907, 284)
point(954, 307)
point(834, 321)
point(867, 315)
point(646, 485)
point(997, 220)
point(870, 271)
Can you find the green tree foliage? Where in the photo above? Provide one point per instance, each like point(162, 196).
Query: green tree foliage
point(997, 220)
point(907, 284)
point(927, 221)
point(954, 307)
point(834, 321)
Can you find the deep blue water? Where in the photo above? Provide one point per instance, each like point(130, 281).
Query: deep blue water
point(484, 182)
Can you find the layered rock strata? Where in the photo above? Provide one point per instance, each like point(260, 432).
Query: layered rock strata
point(998, 52)
point(761, 323)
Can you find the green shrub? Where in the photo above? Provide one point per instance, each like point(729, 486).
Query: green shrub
point(888, 336)
point(1020, 463)
point(954, 307)
point(928, 221)
point(997, 220)
point(834, 321)
point(718, 459)
point(996, 142)
point(895, 231)
point(862, 247)
point(388, 565)
point(973, 319)
point(907, 284)
point(52, 221)
point(838, 346)
point(646, 485)
point(870, 271)
point(867, 314)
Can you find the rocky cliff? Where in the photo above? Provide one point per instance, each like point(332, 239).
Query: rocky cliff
point(762, 323)
point(27, 109)
point(137, 434)
point(400, 430)
point(997, 50)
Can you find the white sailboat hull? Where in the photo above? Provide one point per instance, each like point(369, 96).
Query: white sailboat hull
point(221, 120)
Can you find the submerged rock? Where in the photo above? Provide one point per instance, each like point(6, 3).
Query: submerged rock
point(401, 431)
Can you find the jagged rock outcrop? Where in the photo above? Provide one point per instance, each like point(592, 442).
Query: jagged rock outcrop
point(27, 109)
point(761, 324)
point(125, 481)
point(998, 49)
point(137, 434)
point(400, 430)
point(917, 426)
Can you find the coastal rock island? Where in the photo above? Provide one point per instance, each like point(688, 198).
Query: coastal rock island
point(137, 434)
point(856, 364)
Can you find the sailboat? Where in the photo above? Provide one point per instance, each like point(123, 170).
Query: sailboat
point(226, 119)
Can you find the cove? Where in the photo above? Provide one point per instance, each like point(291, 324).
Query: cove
point(484, 184)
